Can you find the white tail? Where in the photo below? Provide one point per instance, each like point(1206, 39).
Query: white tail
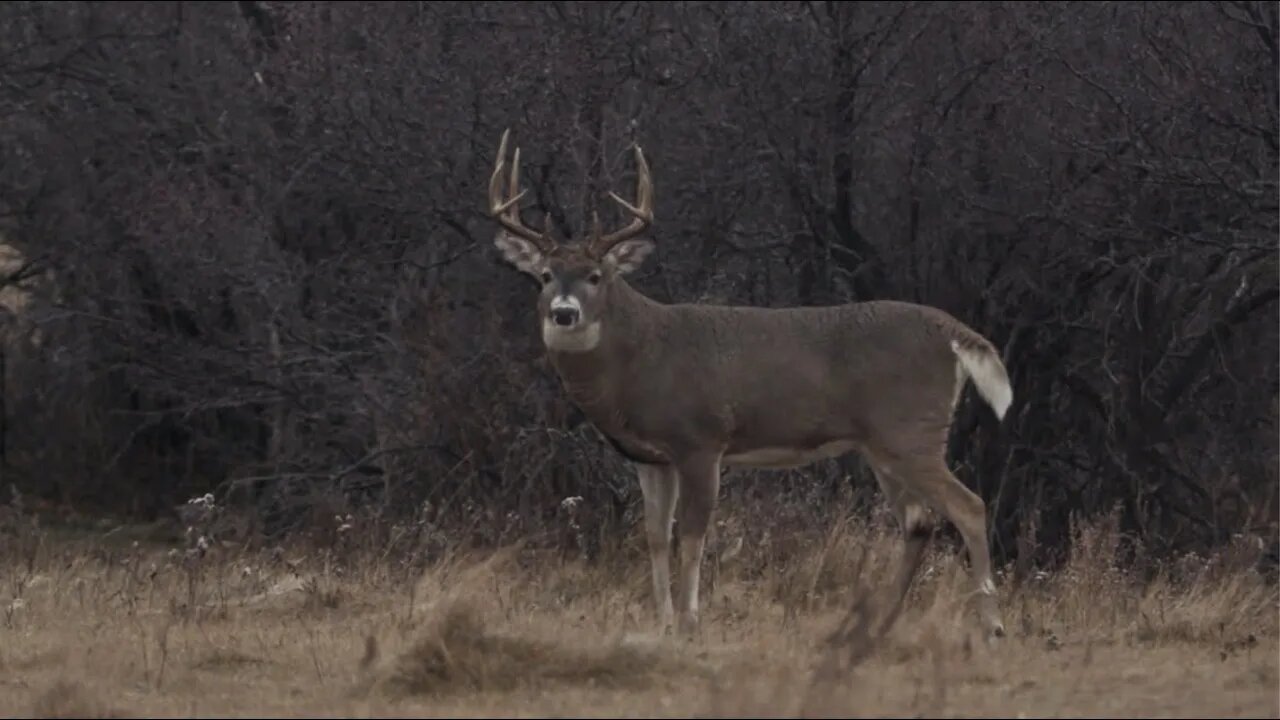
point(983, 366)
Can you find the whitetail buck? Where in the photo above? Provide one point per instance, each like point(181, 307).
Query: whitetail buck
point(681, 390)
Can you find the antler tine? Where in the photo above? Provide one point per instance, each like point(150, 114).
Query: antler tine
point(513, 188)
point(642, 211)
point(507, 212)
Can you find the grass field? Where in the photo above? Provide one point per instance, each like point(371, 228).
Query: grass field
point(94, 626)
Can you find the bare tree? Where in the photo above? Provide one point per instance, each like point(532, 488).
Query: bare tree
point(250, 254)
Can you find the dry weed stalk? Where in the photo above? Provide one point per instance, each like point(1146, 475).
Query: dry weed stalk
point(856, 637)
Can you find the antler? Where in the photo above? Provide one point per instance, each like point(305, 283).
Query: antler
point(642, 211)
point(507, 212)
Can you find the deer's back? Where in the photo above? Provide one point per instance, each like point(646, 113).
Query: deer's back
point(807, 377)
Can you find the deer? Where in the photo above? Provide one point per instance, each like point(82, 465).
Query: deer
point(684, 390)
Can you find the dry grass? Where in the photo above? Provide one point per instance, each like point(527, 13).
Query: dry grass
point(92, 630)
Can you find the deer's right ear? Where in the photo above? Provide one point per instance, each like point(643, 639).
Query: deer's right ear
point(520, 252)
point(628, 255)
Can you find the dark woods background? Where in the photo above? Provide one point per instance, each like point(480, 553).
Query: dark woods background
point(249, 254)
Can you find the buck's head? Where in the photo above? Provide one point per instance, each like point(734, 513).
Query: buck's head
point(576, 278)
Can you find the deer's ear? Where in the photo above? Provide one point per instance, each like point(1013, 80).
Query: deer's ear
point(628, 255)
point(520, 252)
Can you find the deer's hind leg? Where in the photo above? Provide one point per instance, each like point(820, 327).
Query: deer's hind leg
point(925, 477)
point(916, 528)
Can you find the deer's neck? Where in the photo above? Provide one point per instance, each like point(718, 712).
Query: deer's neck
point(592, 378)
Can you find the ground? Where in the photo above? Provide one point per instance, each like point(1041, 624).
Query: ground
point(94, 628)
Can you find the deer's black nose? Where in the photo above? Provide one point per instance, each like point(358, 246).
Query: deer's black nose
point(564, 316)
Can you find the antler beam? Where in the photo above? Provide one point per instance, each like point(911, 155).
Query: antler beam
point(641, 212)
point(507, 211)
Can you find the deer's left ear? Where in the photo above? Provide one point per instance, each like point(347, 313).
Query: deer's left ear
point(520, 252)
point(628, 255)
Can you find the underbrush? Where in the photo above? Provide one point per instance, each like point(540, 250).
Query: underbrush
point(394, 615)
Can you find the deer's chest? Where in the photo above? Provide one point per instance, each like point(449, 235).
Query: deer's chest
point(622, 420)
point(634, 448)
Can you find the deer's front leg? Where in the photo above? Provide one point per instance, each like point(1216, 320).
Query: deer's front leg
point(699, 489)
point(658, 483)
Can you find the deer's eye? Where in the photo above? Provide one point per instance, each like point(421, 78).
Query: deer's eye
point(594, 278)
point(546, 277)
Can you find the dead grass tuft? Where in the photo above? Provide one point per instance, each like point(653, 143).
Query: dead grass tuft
point(70, 699)
point(460, 653)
